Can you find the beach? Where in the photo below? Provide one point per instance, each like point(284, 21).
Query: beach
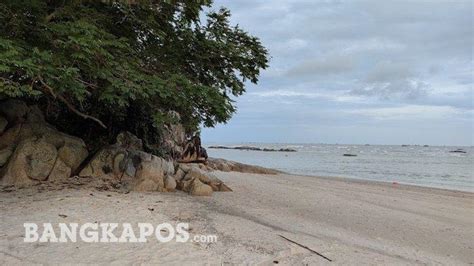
point(347, 221)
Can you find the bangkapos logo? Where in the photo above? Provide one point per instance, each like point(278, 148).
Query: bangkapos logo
point(111, 233)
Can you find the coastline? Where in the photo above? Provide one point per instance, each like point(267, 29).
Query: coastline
point(406, 186)
point(347, 220)
point(434, 167)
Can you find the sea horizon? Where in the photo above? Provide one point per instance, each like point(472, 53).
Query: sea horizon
point(241, 143)
point(420, 165)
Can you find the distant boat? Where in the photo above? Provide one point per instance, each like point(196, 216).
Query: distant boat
point(349, 155)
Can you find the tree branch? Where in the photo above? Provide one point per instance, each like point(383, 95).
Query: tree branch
point(68, 104)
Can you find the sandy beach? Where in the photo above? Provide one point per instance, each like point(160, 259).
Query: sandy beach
point(348, 221)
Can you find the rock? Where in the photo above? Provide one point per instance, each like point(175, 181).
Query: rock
point(30, 149)
point(32, 124)
point(147, 185)
point(250, 148)
point(185, 185)
point(185, 167)
point(33, 151)
point(186, 180)
point(133, 168)
point(168, 167)
point(149, 175)
point(173, 137)
point(32, 160)
point(117, 163)
point(150, 172)
point(179, 175)
point(101, 164)
point(458, 151)
point(200, 189)
point(197, 173)
point(129, 141)
point(3, 124)
point(170, 183)
point(5, 155)
point(14, 110)
point(231, 166)
point(224, 188)
point(61, 171)
point(73, 154)
point(41, 157)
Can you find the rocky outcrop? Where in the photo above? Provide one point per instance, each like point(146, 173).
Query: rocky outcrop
point(140, 171)
point(31, 150)
point(231, 166)
point(197, 180)
point(458, 151)
point(127, 162)
point(250, 148)
point(173, 137)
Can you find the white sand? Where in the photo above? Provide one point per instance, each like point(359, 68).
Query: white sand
point(351, 222)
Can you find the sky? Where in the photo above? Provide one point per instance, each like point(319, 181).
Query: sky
point(356, 72)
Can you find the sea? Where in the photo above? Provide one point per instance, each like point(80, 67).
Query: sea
point(428, 166)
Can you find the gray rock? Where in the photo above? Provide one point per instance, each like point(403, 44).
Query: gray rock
point(150, 175)
point(200, 189)
point(3, 124)
point(61, 171)
point(5, 155)
point(33, 159)
point(73, 154)
point(32, 150)
point(170, 183)
point(129, 141)
point(14, 110)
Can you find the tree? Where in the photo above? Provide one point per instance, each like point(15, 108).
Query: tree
point(99, 67)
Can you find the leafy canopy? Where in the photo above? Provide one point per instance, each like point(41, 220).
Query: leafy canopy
point(125, 64)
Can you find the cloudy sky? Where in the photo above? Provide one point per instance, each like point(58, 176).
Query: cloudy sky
point(378, 72)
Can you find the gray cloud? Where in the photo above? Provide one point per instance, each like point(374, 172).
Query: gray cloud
point(322, 66)
point(337, 56)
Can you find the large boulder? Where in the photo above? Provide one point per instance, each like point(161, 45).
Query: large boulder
point(126, 162)
point(34, 160)
point(231, 166)
point(170, 183)
point(198, 188)
point(173, 137)
point(31, 150)
point(187, 174)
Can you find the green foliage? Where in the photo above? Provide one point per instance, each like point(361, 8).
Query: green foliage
point(125, 63)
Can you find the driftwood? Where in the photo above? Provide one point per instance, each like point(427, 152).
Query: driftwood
point(305, 247)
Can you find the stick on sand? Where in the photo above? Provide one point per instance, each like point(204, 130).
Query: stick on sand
point(305, 247)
